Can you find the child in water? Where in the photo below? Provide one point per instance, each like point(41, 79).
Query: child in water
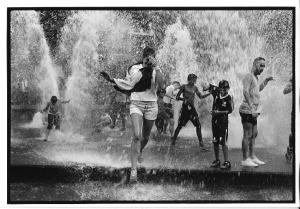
point(53, 107)
point(222, 106)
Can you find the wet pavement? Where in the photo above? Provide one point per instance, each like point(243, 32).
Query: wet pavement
point(95, 167)
point(112, 149)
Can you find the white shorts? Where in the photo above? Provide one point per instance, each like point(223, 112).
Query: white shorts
point(148, 109)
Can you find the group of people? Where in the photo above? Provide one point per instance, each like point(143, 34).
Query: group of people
point(151, 102)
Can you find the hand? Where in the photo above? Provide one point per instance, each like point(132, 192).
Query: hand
point(269, 78)
point(105, 76)
point(214, 112)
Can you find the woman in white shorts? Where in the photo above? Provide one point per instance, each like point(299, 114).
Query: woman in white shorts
point(143, 102)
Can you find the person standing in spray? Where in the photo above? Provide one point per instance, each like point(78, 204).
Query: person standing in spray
point(249, 111)
point(142, 82)
point(188, 110)
point(53, 107)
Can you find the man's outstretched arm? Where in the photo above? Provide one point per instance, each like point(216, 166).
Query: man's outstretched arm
point(200, 95)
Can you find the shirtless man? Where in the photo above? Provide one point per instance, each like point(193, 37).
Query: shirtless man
point(188, 111)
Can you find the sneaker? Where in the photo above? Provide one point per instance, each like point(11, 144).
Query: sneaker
point(249, 162)
point(215, 164)
point(133, 175)
point(257, 161)
point(226, 165)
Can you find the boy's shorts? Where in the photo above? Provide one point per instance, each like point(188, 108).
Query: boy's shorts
point(159, 123)
point(248, 118)
point(53, 120)
point(170, 110)
point(220, 133)
point(187, 113)
point(148, 109)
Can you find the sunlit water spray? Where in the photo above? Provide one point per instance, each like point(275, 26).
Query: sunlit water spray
point(89, 37)
point(31, 57)
point(98, 41)
point(221, 55)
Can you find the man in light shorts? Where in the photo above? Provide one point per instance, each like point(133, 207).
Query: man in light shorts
point(249, 111)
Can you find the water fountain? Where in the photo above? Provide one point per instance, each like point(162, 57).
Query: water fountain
point(211, 44)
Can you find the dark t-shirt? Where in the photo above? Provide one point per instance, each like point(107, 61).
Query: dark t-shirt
point(222, 104)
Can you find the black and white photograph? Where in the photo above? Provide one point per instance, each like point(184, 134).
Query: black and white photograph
point(128, 105)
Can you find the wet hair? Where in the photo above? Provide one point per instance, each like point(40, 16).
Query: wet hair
point(148, 51)
point(191, 77)
point(175, 82)
point(224, 84)
point(258, 59)
point(53, 99)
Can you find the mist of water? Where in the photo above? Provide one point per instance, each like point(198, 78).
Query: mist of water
point(218, 45)
point(31, 58)
point(214, 45)
point(99, 39)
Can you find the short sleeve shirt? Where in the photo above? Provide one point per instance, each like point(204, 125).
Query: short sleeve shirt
point(250, 84)
point(170, 92)
point(149, 94)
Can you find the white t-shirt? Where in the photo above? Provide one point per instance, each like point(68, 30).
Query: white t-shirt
point(170, 93)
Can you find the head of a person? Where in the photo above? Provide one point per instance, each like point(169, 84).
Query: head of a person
point(176, 85)
point(192, 78)
point(161, 93)
point(224, 87)
point(259, 64)
point(53, 99)
point(149, 57)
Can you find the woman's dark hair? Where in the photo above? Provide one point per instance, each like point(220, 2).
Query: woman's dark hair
point(53, 99)
point(148, 51)
point(145, 82)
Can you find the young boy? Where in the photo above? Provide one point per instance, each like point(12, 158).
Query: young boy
point(222, 106)
point(54, 107)
point(164, 112)
point(188, 111)
point(117, 106)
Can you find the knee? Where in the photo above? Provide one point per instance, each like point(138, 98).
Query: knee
point(247, 135)
point(198, 125)
point(172, 122)
point(137, 136)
